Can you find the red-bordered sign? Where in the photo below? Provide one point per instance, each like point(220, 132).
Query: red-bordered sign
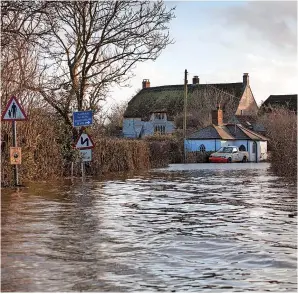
point(84, 142)
point(13, 111)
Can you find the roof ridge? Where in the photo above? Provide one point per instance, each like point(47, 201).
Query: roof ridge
point(252, 132)
point(182, 85)
point(283, 95)
point(225, 131)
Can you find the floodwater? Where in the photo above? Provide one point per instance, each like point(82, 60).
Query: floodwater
point(195, 227)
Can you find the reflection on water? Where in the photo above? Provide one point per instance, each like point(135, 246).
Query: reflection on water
point(200, 227)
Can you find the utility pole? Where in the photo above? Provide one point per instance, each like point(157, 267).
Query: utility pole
point(185, 113)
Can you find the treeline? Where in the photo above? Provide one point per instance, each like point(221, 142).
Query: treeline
point(59, 57)
point(48, 153)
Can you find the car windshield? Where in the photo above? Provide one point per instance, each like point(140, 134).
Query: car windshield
point(225, 150)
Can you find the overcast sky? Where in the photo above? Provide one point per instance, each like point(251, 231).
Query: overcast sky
point(219, 41)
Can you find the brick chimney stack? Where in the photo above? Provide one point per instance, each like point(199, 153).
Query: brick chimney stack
point(146, 84)
point(245, 79)
point(217, 117)
point(195, 80)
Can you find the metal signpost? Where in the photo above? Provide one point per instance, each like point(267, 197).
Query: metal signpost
point(84, 142)
point(14, 112)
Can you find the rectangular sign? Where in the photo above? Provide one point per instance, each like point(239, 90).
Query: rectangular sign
point(15, 155)
point(82, 118)
point(86, 154)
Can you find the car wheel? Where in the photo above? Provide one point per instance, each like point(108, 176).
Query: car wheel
point(229, 160)
point(244, 159)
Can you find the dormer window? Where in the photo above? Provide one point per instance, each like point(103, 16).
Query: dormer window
point(160, 115)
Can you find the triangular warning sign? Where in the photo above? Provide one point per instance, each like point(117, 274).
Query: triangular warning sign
point(13, 111)
point(84, 142)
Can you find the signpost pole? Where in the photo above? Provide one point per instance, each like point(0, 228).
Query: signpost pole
point(84, 142)
point(82, 168)
point(14, 144)
point(71, 170)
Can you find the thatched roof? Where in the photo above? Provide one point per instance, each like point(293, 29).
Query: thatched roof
point(170, 98)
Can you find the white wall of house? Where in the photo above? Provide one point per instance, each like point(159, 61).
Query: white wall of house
point(148, 128)
point(135, 127)
point(213, 144)
point(263, 150)
point(252, 152)
point(129, 127)
point(210, 145)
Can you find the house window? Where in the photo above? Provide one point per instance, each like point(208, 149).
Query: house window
point(242, 148)
point(160, 129)
point(202, 148)
point(254, 147)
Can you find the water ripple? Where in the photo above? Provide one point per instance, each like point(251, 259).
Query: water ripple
point(185, 228)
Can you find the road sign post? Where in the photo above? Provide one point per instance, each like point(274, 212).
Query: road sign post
point(14, 144)
point(14, 112)
point(84, 142)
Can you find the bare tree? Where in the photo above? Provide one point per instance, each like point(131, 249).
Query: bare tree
point(94, 45)
point(115, 118)
point(23, 20)
point(23, 27)
point(202, 101)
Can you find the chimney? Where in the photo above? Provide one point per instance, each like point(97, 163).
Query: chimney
point(195, 80)
point(146, 83)
point(217, 117)
point(245, 79)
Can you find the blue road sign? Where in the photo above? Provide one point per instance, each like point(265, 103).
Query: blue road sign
point(82, 118)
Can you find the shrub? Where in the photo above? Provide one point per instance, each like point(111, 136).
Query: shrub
point(41, 151)
point(281, 129)
point(165, 149)
point(198, 156)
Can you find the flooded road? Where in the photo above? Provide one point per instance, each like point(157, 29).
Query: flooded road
point(195, 227)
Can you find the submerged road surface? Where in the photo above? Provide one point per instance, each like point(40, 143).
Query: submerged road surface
point(195, 227)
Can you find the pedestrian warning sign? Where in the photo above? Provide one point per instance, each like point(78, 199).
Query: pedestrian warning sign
point(13, 111)
point(15, 155)
point(84, 142)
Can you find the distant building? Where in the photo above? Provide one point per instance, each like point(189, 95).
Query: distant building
point(157, 123)
point(153, 109)
point(286, 101)
point(220, 134)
